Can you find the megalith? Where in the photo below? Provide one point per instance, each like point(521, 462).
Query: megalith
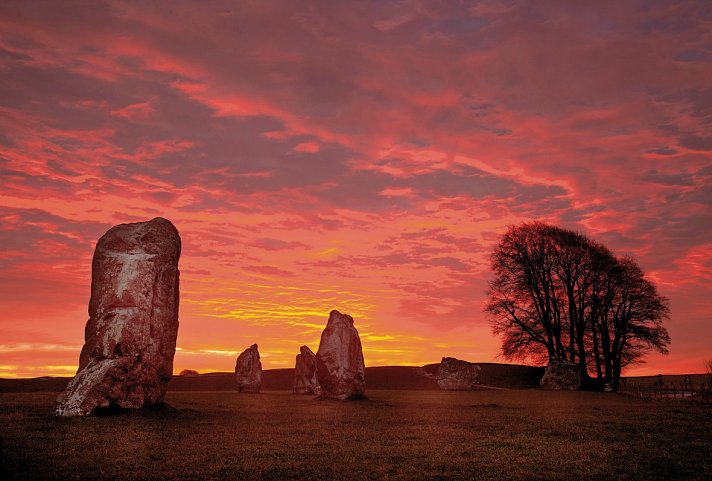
point(305, 381)
point(248, 370)
point(457, 375)
point(339, 360)
point(130, 337)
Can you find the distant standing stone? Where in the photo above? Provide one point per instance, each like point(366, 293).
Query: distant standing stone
point(561, 375)
point(339, 360)
point(130, 337)
point(305, 381)
point(248, 370)
point(457, 375)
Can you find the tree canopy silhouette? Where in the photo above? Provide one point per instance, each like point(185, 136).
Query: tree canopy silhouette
point(557, 294)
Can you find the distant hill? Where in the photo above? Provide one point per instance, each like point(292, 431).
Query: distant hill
point(512, 376)
point(382, 377)
point(37, 384)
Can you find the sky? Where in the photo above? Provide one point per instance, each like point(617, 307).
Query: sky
point(357, 156)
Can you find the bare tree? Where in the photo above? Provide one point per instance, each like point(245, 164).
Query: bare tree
point(635, 319)
point(522, 297)
point(559, 295)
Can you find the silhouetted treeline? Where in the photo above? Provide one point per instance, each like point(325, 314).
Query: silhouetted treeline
point(560, 295)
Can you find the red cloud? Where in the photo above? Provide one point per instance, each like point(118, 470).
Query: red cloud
point(363, 158)
point(137, 111)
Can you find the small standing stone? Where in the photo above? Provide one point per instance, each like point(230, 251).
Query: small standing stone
point(305, 381)
point(561, 375)
point(248, 370)
point(339, 360)
point(457, 375)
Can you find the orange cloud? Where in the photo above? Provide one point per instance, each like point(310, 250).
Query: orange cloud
point(361, 160)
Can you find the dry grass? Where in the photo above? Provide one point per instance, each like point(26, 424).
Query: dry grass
point(396, 435)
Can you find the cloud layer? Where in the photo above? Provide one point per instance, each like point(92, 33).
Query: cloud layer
point(363, 157)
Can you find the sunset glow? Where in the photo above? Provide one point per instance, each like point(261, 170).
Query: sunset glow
point(359, 157)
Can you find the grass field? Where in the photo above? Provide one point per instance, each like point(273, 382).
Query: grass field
point(395, 435)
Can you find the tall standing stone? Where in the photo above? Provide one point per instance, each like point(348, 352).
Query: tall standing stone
point(248, 370)
point(457, 375)
point(339, 360)
point(130, 337)
point(305, 381)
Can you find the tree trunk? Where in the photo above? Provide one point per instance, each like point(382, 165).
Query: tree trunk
point(596, 349)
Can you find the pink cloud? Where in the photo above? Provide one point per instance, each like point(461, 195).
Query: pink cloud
point(136, 111)
point(307, 147)
point(360, 157)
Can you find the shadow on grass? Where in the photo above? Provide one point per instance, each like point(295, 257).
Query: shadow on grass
point(115, 414)
point(355, 397)
point(155, 410)
point(495, 406)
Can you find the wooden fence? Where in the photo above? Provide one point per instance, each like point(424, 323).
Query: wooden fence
point(681, 393)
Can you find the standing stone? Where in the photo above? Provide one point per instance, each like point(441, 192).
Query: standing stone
point(456, 375)
point(248, 370)
point(305, 373)
point(561, 375)
point(130, 337)
point(340, 369)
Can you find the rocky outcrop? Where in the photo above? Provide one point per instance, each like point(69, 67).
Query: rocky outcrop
point(130, 337)
point(456, 375)
point(305, 381)
point(248, 370)
point(340, 369)
point(561, 375)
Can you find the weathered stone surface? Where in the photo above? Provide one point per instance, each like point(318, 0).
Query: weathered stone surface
point(456, 375)
point(189, 373)
point(305, 381)
point(340, 369)
point(561, 375)
point(248, 370)
point(130, 337)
